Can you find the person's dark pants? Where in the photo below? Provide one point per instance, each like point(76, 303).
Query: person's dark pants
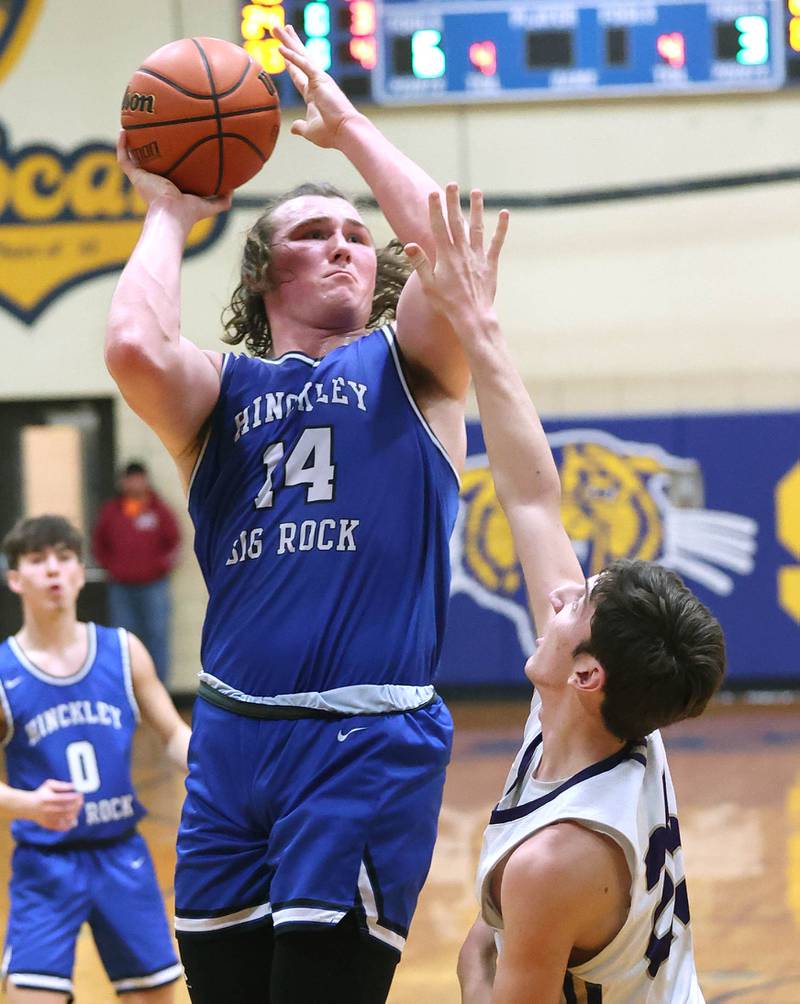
point(145, 610)
point(250, 965)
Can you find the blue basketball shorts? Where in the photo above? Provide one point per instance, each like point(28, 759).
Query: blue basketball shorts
point(111, 887)
point(302, 821)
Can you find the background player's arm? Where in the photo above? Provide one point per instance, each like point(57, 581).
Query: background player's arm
point(477, 961)
point(462, 286)
point(167, 380)
point(401, 189)
point(156, 705)
point(554, 896)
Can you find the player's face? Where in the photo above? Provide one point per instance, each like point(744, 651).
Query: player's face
point(48, 580)
point(570, 625)
point(323, 264)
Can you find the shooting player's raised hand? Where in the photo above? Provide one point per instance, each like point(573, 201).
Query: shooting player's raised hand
point(327, 106)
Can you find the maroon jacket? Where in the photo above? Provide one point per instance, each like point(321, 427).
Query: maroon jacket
point(136, 548)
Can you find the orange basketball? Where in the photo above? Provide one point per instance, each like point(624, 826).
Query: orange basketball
point(202, 113)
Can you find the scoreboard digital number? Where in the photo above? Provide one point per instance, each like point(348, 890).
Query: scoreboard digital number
point(447, 51)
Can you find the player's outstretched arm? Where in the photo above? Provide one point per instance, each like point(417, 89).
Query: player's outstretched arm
point(156, 705)
point(167, 380)
point(462, 285)
point(401, 188)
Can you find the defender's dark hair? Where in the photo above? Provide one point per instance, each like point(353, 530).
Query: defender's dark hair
point(38, 532)
point(245, 318)
point(663, 651)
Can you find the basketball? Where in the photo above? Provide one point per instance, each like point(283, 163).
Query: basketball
point(202, 113)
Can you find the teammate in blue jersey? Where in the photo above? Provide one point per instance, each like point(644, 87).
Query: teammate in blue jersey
point(581, 884)
point(323, 486)
point(71, 695)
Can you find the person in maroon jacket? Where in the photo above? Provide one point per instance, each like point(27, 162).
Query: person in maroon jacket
point(136, 540)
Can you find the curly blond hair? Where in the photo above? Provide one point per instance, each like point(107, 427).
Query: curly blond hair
point(245, 318)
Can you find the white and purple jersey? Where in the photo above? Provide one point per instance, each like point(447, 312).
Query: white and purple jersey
point(76, 728)
point(628, 797)
point(323, 506)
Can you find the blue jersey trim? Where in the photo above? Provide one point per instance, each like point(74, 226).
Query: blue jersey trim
point(391, 340)
point(629, 752)
point(523, 764)
point(59, 681)
point(127, 674)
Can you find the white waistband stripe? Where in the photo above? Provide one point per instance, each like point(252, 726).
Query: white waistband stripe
point(306, 915)
point(195, 924)
point(366, 699)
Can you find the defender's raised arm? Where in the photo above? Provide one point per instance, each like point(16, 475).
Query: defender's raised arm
point(461, 286)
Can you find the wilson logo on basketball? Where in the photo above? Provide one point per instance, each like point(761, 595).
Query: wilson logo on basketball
point(66, 217)
point(133, 101)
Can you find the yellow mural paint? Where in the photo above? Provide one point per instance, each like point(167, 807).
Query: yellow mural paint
point(18, 20)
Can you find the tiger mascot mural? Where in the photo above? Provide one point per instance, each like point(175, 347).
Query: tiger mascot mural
point(620, 499)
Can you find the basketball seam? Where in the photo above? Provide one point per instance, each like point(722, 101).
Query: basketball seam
point(220, 145)
point(199, 118)
point(208, 139)
point(193, 94)
point(175, 86)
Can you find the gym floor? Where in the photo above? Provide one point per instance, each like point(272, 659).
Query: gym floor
point(737, 777)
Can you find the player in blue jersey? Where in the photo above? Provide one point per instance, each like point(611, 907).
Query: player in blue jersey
point(323, 486)
point(71, 695)
point(581, 884)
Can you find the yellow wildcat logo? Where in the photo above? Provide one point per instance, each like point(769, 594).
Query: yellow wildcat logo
point(17, 18)
point(605, 501)
point(65, 218)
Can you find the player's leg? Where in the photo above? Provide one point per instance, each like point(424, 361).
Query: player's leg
point(129, 923)
point(159, 995)
point(352, 851)
point(233, 965)
point(21, 995)
point(222, 879)
point(330, 966)
point(48, 905)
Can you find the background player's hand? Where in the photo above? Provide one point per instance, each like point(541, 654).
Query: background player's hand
point(462, 283)
point(327, 106)
point(152, 186)
point(55, 805)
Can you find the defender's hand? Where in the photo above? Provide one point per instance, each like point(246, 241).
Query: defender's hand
point(327, 107)
point(463, 282)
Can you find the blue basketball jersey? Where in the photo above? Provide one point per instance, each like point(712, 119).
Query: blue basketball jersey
point(77, 728)
point(323, 506)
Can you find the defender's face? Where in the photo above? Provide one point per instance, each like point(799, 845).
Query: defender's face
point(570, 625)
point(323, 263)
point(48, 580)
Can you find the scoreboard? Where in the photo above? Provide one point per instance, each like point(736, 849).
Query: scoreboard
point(413, 52)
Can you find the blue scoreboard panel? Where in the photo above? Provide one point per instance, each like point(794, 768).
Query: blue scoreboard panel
point(448, 51)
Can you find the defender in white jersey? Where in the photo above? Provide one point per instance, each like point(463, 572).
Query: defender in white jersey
point(581, 884)
point(71, 696)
